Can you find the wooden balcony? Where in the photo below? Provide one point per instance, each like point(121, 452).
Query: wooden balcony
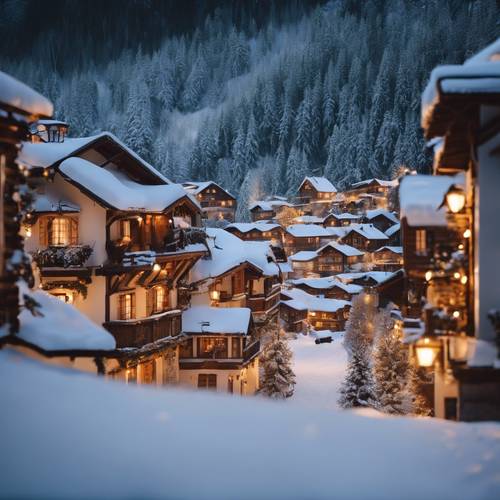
point(251, 351)
point(262, 303)
point(137, 333)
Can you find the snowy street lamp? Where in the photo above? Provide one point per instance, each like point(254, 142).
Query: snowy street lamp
point(427, 352)
point(215, 295)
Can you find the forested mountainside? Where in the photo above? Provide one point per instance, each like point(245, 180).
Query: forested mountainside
point(253, 101)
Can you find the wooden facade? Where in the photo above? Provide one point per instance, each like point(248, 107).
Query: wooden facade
point(216, 202)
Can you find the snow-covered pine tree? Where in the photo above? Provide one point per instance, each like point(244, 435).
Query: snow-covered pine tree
point(357, 387)
point(279, 379)
point(416, 403)
point(390, 369)
point(359, 329)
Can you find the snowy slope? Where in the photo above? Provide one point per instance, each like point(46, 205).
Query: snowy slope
point(88, 438)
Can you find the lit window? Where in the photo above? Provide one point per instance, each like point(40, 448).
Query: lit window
point(420, 241)
point(223, 203)
point(127, 306)
point(159, 298)
point(59, 235)
point(125, 229)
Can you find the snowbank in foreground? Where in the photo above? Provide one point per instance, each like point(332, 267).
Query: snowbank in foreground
point(67, 434)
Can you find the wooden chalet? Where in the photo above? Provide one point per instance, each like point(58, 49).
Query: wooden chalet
point(215, 201)
point(299, 237)
point(341, 220)
point(388, 258)
point(237, 274)
point(267, 209)
point(328, 287)
point(368, 194)
point(364, 237)
point(459, 346)
point(330, 258)
point(249, 231)
point(316, 189)
point(320, 313)
point(380, 218)
point(114, 239)
point(221, 352)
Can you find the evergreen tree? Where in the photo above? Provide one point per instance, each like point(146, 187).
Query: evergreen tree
point(391, 366)
point(416, 402)
point(357, 388)
point(359, 329)
point(279, 380)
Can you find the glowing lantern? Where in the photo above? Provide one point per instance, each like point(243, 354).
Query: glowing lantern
point(215, 295)
point(467, 233)
point(463, 279)
point(426, 352)
point(455, 199)
point(428, 275)
point(157, 268)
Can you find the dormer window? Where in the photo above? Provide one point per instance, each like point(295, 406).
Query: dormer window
point(48, 131)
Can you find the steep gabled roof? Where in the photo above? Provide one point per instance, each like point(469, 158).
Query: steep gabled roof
point(368, 231)
point(320, 184)
point(113, 189)
point(328, 283)
point(299, 299)
point(245, 227)
point(269, 205)
point(372, 214)
point(346, 250)
point(110, 150)
point(378, 182)
point(195, 187)
point(397, 250)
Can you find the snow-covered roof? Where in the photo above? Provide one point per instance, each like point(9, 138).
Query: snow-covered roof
point(371, 214)
point(116, 190)
point(380, 182)
point(398, 250)
point(62, 327)
point(320, 184)
point(228, 251)
point(369, 231)
point(221, 320)
point(377, 276)
point(303, 256)
point(41, 154)
point(245, 227)
point(285, 267)
point(421, 196)
point(48, 202)
point(269, 205)
point(300, 300)
point(337, 232)
point(194, 187)
point(18, 95)
point(393, 229)
point(344, 216)
point(308, 219)
point(327, 283)
point(346, 250)
point(307, 231)
point(478, 75)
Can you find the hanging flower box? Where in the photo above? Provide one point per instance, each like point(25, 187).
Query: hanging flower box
point(68, 256)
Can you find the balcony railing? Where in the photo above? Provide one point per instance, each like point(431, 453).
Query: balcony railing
point(175, 241)
point(67, 256)
point(137, 333)
point(251, 351)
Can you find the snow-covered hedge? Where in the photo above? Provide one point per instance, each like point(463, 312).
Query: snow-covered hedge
point(68, 256)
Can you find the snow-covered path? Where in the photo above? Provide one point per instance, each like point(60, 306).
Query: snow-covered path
point(319, 371)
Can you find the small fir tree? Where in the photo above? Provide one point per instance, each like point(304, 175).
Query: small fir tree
point(390, 369)
point(357, 388)
point(416, 402)
point(279, 379)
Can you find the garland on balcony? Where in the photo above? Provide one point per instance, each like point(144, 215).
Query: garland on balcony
point(77, 286)
point(62, 256)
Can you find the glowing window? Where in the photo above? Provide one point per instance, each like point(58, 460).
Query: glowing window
point(59, 235)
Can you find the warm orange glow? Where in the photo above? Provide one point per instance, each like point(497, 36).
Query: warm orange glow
point(215, 295)
point(467, 233)
point(428, 275)
point(455, 199)
point(456, 314)
point(456, 275)
point(157, 268)
point(463, 279)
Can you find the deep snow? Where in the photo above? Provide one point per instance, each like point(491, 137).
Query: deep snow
point(66, 434)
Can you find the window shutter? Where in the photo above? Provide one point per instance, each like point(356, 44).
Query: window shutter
point(42, 231)
point(121, 306)
point(73, 231)
point(165, 298)
point(149, 301)
point(49, 230)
